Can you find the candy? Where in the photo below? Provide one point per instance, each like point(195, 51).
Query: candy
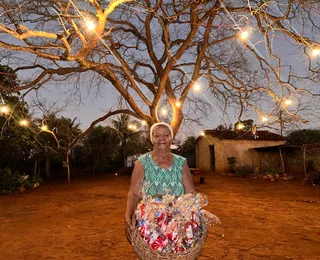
point(172, 225)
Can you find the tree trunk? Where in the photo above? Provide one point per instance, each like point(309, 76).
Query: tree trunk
point(68, 166)
point(47, 168)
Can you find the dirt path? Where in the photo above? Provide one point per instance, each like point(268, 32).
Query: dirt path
point(261, 220)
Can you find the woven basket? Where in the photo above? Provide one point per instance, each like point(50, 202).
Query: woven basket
point(145, 252)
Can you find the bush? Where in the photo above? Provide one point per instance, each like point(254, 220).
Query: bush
point(13, 181)
point(244, 170)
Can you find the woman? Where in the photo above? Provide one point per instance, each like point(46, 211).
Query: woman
point(161, 168)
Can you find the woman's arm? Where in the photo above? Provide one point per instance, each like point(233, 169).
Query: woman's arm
point(187, 179)
point(134, 195)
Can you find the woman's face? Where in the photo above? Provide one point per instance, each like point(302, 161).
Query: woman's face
point(161, 137)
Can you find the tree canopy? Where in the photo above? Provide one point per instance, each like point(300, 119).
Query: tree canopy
point(154, 52)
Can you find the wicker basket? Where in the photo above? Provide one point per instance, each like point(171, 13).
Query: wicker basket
point(145, 252)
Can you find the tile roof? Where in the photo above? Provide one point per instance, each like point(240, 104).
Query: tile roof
point(245, 135)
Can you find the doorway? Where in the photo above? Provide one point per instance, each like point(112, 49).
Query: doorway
point(212, 158)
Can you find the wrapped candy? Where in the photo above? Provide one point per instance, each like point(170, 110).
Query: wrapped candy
point(170, 224)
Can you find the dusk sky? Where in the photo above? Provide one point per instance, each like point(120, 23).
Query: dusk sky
point(87, 103)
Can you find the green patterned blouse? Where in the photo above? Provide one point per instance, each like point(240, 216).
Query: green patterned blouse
point(162, 180)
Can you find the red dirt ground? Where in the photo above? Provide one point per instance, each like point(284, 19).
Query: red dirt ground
point(260, 220)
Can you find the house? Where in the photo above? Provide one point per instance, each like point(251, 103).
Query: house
point(215, 147)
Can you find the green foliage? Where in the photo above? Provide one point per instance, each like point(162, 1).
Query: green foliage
point(188, 146)
point(244, 170)
point(304, 136)
point(13, 181)
point(17, 143)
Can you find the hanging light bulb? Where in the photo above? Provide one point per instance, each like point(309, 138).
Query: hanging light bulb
point(288, 102)
point(316, 52)
point(24, 122)
point(4, 110)
point(164, 111)
point(240, 126)
point(196, 87)
point(143, 122)
point(44, 128)
point(90, 25)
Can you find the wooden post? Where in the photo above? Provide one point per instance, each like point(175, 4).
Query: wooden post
point(282, 162)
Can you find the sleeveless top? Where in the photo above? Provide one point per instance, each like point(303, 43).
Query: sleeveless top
point(162, 181)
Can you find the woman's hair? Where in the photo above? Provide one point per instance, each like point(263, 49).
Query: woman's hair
point(160, 124)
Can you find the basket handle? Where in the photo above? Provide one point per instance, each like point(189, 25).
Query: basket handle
point(129, 228)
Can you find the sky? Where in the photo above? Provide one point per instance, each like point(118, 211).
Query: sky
point(89, 105)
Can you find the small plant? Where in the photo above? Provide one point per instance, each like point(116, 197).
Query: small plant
point(244, 170)
point(13, 181)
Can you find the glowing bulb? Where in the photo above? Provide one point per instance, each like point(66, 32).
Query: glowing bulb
point(287, 102)
point(240, 126)
point(315, 52)
point(44, 128)
point(24, 122)
point(196, 87)
point(91, 25)
point(202, 134)
point(264, 119)
point(164, 112)
point(244, 35)
point(130, 126)
point(144, 122)
point(134, 127)
point(4, 110)
point(178, 104)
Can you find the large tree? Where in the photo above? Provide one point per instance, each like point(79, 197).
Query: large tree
point(153, 52)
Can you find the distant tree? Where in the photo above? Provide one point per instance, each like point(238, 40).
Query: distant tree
point(245, 125)
point(188, 150)
point(224, 127)
point(304, 136)
point(57, 138)
point(102, 146)
point(16, 144)
point(133, 141)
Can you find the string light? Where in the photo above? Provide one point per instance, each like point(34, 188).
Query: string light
point(91, 25)
point(4, 109)
point(264, 119)
point(144, 122)
point(202, 133)
point(164, 111)
point(240, 126)
point(315, 52)
point(178, 104)
point(287, 102)
point(44, 128)
point(196, 87)
point(244, 35)
point(24, 122)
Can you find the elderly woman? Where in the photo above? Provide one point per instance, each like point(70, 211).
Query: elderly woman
point(161, 168)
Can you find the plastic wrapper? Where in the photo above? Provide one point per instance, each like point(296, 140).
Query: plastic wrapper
point(171, 224)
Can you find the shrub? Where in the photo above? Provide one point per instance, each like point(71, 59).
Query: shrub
point(244, 170)
point(232, 161)
point(13, 181)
